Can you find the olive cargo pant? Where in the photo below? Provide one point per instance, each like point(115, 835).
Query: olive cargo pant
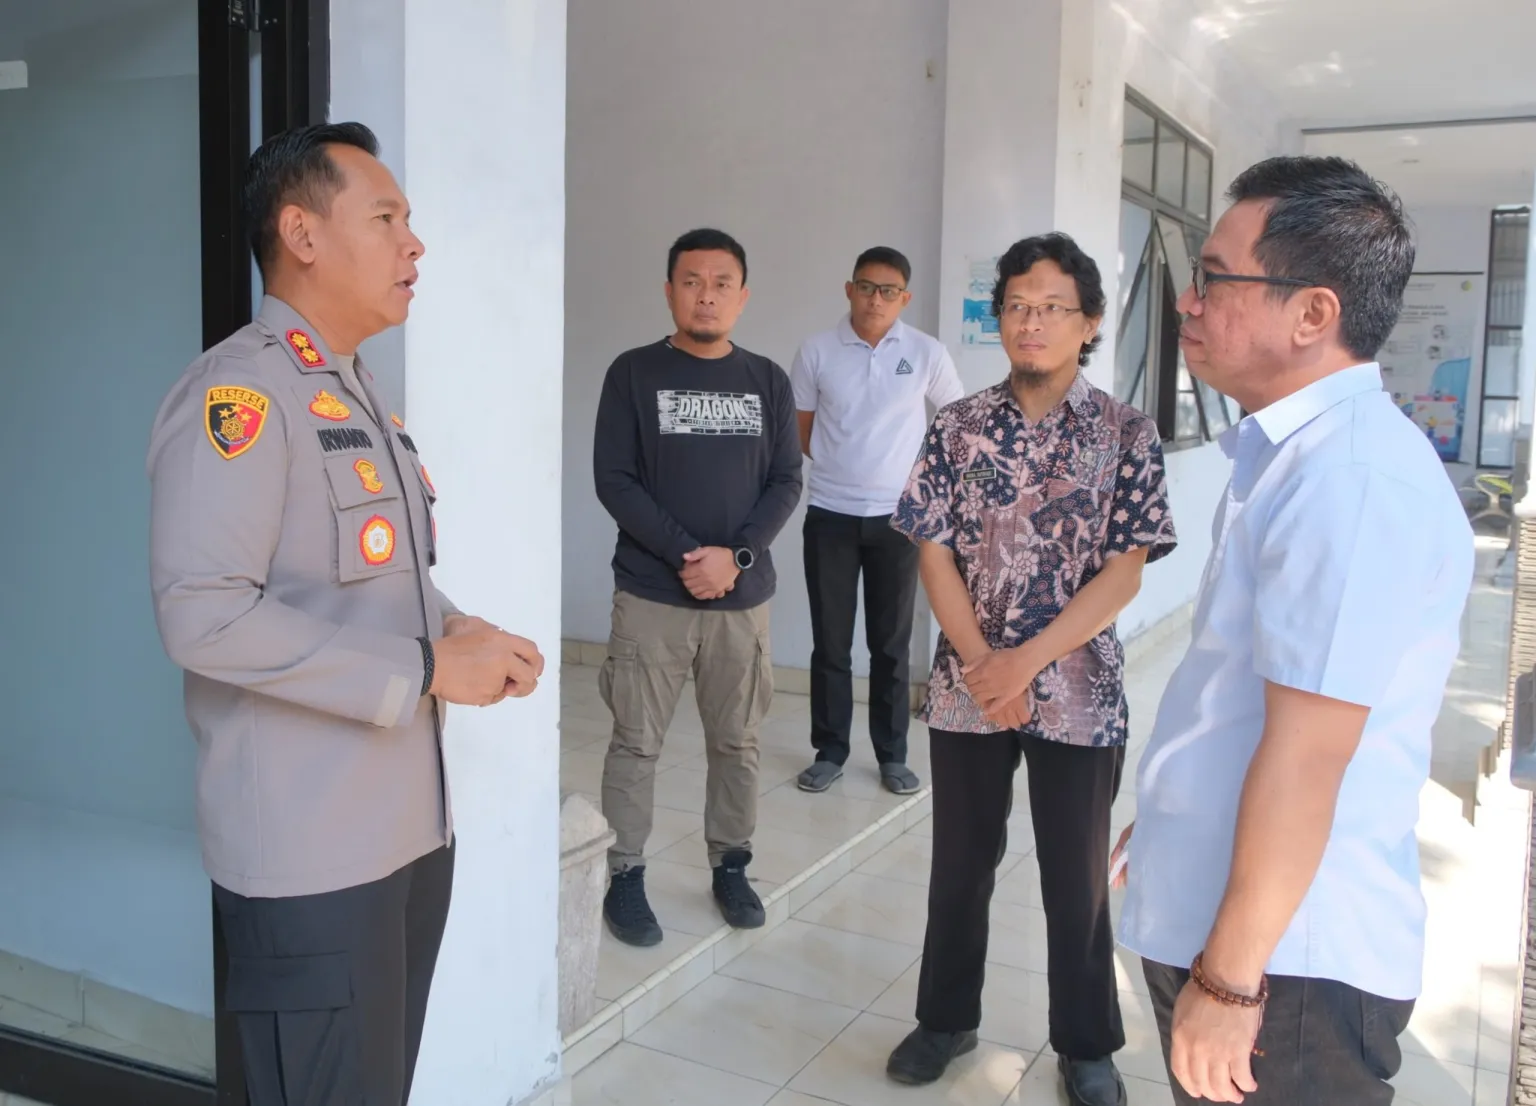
point(650, 653)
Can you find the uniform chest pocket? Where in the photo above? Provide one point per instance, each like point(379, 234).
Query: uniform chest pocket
point(372, 527)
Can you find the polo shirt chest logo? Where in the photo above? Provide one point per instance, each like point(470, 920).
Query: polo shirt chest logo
point(709, 413)
point(905, 368)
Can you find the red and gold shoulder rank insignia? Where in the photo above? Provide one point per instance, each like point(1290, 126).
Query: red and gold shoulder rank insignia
point(398, 421)
point(368, 473)
point(427, 480)
point(328, 406)
point(377, 541)
point(235, 418)
point(304, 346)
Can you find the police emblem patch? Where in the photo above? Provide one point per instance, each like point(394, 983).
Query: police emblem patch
point(377, 540)
point(328, 406)
point(369, 475)
point(304, 346)
point(235, 418)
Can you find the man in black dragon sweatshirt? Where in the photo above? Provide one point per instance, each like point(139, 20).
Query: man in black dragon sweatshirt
point(697, 458)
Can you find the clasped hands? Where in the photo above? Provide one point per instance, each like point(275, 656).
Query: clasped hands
point(1001, 682)
point(710, 572)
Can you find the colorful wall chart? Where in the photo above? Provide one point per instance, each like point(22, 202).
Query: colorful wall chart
point(1427, 362)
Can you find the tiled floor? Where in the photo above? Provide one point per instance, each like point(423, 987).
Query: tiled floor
point(794, 829)
point(808, 1016)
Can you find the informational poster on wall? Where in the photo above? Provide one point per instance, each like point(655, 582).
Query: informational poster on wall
point(1427, 362)
point(977, 326)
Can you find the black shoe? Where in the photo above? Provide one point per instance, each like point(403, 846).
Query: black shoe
point(738, 902)
point(923, 1056)
point(1092, 1082)
point(627, 912)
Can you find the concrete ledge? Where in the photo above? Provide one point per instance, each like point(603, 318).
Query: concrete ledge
point(622, 1019)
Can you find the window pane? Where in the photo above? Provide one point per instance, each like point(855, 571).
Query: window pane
point(1186, 427)
point(1499, 373)
point(1215, 407)
point(1170, 166)
point(1135, 322)
point(1506, 285)
point(1498, 447)
point(1176, 250)
point(1197, 196)
point(106, 934)
point(1140, 133)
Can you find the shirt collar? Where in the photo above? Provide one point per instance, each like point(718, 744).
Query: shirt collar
point(850, 337)
point(1078, 396)
point(1285, 416)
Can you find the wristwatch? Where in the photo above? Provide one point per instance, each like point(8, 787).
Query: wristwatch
point(744, 558)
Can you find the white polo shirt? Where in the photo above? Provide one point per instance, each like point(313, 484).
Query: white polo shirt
point(871, 408)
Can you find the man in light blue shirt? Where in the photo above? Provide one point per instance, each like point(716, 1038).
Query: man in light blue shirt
point(1274, 868)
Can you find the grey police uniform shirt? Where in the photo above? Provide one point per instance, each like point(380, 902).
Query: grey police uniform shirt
point(291, 536)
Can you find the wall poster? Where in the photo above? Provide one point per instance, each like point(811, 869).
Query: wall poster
point(1427, 362)
point(977, 326)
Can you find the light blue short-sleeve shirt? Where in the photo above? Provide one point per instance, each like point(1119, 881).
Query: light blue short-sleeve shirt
point(1341, 563)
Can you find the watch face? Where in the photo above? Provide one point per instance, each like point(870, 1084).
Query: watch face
point(743, 558)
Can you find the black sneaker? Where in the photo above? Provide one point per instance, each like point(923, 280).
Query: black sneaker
point(738, 902)
point(923, 1056)
point(627, 912)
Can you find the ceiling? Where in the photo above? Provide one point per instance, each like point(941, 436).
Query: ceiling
point(1332, 62)
point(1476, 165)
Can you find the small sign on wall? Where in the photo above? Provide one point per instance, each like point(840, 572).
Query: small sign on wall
point(977, 326)
point(1427, 362)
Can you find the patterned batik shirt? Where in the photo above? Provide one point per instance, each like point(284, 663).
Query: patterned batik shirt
point(1032, 513)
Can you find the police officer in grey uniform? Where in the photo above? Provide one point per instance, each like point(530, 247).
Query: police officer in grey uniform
point(291, 537)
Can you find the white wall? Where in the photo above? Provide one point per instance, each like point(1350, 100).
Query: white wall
point(1065, 112)
point(810, 131)
point(484, 143)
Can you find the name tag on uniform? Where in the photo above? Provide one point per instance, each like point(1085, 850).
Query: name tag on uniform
point(978, 475)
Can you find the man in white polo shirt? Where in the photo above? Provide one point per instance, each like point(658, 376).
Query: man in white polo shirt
point(862, 390)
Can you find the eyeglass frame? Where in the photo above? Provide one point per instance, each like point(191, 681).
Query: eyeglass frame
point(880, 290)
point(1202, 278)
point(1037, 311)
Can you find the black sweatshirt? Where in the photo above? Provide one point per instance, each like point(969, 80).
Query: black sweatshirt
point(693, 452)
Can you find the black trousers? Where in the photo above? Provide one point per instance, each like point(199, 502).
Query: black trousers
point(330, 990)
point(1071, 790)
point(1325, 1043)
point(837, 548)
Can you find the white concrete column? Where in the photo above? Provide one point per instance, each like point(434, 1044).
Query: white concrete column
point(485, 166)
point(1000, 132)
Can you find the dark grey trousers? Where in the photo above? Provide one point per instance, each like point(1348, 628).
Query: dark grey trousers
point(330, 991)
point(1325, 1043)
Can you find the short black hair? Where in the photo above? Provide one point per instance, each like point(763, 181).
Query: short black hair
point(706, 238)
point(1026, 253)
point(1333, 226)
point(294, 167)
point(890, 258)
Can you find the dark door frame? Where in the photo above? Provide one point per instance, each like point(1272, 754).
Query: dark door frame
point(295, 81)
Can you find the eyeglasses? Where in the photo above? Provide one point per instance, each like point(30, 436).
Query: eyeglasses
point(887, 292)
point(1203, 278)
point(1049, 313)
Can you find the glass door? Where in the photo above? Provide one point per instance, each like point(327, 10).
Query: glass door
point(125, 126)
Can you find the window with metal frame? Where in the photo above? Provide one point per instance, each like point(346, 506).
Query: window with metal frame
point(1165, 214)
point(1508, 244)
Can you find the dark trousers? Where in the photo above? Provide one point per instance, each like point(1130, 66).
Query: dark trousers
point(1325, 1043)
point(837, 548)
point(330, 990)
point(1071, 790)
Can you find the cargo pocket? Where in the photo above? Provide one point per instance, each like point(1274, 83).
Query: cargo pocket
point(372, 527)
point(298, 1028)
point(619, 683)
point(762, 682)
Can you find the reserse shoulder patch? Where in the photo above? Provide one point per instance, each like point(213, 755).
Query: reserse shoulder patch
point(235, 418)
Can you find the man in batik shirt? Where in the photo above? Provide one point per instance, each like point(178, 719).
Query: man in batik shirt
point(1035, 504)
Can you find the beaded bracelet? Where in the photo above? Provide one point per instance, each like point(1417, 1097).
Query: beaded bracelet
point(1225, 997)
